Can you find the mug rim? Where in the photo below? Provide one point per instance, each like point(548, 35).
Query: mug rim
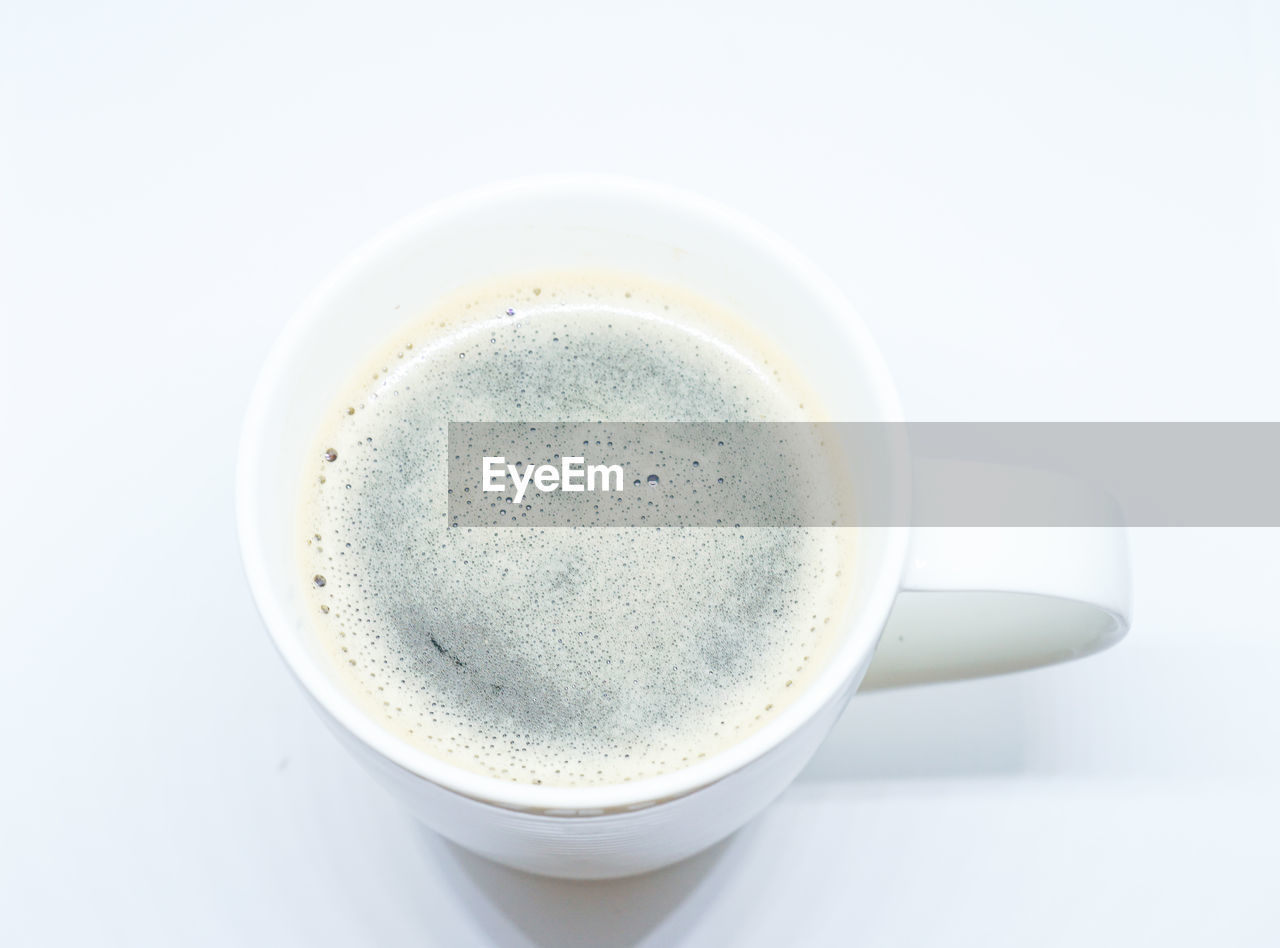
point(844, 667)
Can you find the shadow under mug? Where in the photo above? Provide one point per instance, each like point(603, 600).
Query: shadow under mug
point(956, 602)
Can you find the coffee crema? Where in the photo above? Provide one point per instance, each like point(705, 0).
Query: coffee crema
point(562, 657)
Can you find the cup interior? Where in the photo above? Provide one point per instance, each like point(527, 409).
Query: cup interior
point(539, 225)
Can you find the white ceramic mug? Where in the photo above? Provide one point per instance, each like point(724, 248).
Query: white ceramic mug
point(964, 602)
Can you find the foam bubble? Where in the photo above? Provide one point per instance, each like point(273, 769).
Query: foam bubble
point(572, 656)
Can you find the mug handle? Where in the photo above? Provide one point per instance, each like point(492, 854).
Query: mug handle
point(986, 600)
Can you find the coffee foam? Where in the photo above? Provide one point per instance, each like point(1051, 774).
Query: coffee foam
point(559, 656)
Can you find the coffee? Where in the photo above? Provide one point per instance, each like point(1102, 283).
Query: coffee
point(559, 656)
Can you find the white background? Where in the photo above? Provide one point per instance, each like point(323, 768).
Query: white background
point(1044, 211)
